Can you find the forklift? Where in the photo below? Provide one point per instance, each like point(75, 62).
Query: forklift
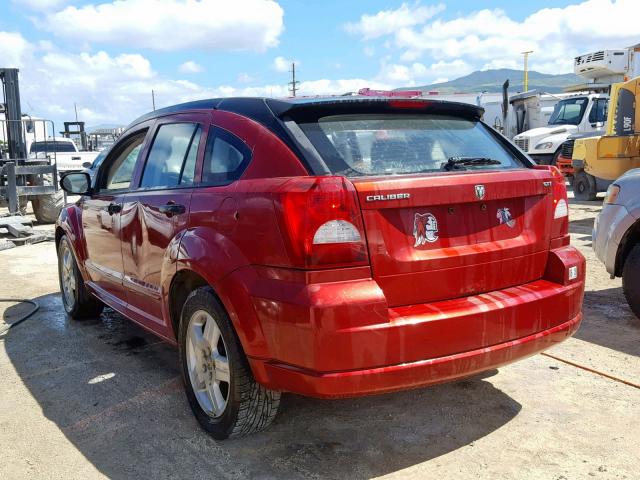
point(24, 177)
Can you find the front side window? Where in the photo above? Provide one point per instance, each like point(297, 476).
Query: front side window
point(225, 158)
point(119, 171)
point(598, 113)
point(397, 144)
point(569, 111)
point(172, 158)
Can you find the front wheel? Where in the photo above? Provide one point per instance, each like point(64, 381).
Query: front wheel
point(77, 301)
point(631, 280)
point(225, 398)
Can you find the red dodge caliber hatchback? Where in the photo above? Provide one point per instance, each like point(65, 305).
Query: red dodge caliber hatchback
point(329, 247)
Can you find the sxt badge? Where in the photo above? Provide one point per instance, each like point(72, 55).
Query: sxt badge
point(425, 229)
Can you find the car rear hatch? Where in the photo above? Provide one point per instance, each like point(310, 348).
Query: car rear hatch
point(434, 230)
point(450, 235)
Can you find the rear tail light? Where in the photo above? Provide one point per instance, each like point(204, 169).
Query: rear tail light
point(560, 226)
point(323, 224)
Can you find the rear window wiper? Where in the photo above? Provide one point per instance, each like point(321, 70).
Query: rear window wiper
point(458, 163)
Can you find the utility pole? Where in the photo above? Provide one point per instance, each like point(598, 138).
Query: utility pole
point(293, 83)
point(153, 100)
point(526, 69)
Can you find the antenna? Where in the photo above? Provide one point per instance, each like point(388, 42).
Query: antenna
point(293, 83)
point(153, 100)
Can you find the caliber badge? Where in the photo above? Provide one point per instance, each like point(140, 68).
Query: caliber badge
point(504, 216)
point(425, 228)
point(480, 192)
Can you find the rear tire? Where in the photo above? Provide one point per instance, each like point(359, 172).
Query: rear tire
point(584, 187)
point(631, 280)
point(76, 299)
point(223, 395)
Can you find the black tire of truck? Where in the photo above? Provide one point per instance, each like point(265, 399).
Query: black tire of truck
point(46, 208)
point(554, 160)
point(584, 186)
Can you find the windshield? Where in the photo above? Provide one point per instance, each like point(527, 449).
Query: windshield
point(569, 111)
point(52, 146)
point(393, 144)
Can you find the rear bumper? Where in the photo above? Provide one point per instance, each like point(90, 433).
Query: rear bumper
point(410, 375)
point(339, 338)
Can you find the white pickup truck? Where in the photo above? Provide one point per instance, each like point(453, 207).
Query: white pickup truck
point(63, 152)
point(581, 113)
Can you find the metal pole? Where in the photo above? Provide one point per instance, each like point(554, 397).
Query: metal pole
point(153, 100)
point(75, 107)
point(526, 70)
point(12, 190)
point(294, 83)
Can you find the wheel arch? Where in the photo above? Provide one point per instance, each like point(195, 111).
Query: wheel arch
point(628, 241)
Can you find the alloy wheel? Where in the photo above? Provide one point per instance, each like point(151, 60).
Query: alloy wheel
point(207, 363)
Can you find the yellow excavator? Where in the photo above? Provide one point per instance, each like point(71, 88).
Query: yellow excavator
point(597, 161)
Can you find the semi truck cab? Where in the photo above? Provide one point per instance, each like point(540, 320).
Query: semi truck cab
point(581, 113)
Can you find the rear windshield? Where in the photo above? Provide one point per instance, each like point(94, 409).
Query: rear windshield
point(392, 144)
point(52, 146)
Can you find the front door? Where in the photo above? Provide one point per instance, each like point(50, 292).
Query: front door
point(102, 220)
point(162, 210)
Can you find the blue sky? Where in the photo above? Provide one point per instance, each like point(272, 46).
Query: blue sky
point(107, 55)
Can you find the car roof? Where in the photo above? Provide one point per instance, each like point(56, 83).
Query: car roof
point(265, 110)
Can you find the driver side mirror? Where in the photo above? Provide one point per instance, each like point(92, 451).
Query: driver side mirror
point(76, 183)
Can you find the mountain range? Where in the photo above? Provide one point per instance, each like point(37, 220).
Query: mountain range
point(492, 80)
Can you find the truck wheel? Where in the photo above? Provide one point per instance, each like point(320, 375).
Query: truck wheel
point(47, 208)
point(631, 280)
point(584, 186)
point(225, 398)
point(77, 301)
point(554, 160)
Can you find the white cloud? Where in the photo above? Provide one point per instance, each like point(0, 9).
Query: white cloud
point(169, 25)
point(386, 22)
point(416, 73)
point(491, 39)
point(117, 88)
point(15, 50)
point(190, 67)
point(245, 78)
point(281, 64)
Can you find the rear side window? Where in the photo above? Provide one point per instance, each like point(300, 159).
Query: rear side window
point(172, 157)
point(395, 144)
point(225, 158)
point(52, 146)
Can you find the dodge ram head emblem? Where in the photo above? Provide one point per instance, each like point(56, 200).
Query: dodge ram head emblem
point(425, 229)
point(504, 216)
point(480, 192)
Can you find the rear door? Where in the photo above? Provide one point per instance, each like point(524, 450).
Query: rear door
point(450, 209)
point(160, 212)
point(455, 235)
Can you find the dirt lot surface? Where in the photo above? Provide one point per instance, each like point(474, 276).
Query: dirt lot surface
point(102, 398)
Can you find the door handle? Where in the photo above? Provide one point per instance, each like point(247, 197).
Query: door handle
point(114, 208)
point(171, 209)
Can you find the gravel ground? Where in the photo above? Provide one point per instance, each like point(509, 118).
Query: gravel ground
point(102, 398)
